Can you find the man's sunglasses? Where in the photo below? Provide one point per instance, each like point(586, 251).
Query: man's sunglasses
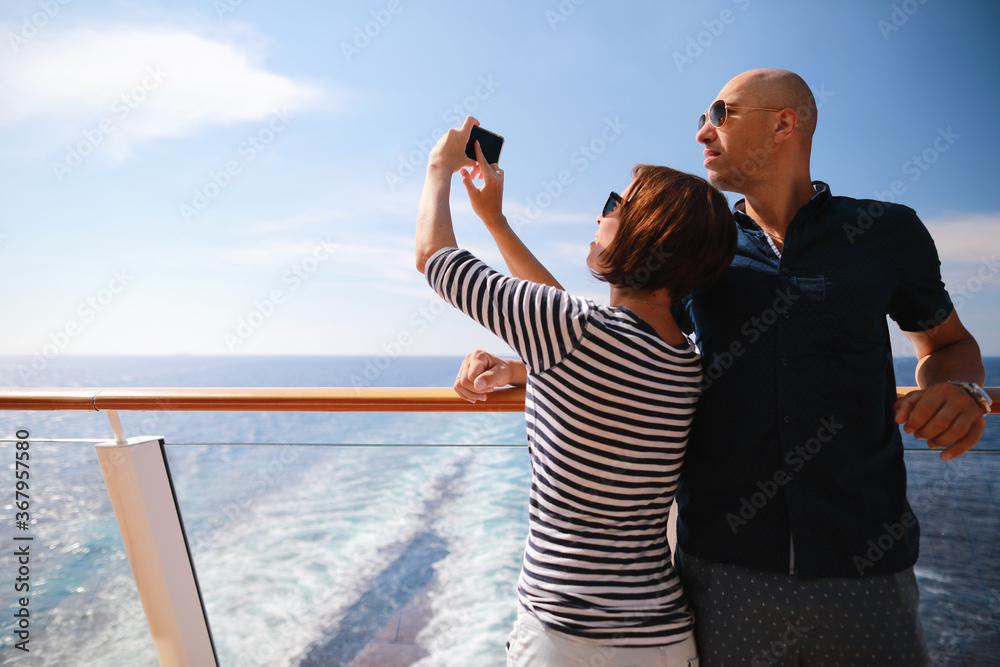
point(719, 111)
point(614, 199)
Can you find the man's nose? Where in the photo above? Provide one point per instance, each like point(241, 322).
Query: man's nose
point(705, 134)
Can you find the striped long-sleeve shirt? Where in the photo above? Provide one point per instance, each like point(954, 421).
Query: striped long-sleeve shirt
point(608, 408)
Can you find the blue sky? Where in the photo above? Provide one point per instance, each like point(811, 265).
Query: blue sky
point(241, 177)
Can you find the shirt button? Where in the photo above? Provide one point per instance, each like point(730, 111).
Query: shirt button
point(785, 361)
point(788, 419)
point(784, 270)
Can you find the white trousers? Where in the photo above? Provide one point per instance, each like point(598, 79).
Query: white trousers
point(531, 644)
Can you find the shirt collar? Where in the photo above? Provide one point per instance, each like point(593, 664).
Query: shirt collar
point(807, 210)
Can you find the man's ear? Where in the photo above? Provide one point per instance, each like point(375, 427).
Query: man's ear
point(788, 122)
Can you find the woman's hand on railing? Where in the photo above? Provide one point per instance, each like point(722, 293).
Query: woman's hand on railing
point(482, 372)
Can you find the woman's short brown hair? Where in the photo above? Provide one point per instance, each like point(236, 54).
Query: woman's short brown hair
point(675, 231)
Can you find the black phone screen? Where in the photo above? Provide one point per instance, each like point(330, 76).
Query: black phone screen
point(490, 142)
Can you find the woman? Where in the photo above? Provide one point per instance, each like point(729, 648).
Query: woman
point(610, 396)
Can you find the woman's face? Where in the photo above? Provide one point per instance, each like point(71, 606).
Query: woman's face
point(607, 227)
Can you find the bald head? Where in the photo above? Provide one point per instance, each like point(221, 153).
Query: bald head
point(778, 89)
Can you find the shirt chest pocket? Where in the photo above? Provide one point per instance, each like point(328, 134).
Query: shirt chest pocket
point(806, 294)
point(818, 310)
point(836, 312)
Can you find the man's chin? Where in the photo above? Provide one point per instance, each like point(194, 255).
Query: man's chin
point(725, 182)
point(717, 180)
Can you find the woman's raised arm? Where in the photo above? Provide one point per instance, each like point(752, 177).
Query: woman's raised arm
point(434, 226)
point(486, 202)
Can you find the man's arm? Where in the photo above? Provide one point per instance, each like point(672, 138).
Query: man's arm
point(940, 412)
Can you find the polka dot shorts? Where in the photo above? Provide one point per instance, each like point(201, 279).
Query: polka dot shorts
point(755, 618)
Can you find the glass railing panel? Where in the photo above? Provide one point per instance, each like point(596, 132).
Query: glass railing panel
point(308, 554)
point(958, 505)
point(343, 538)
point(989, 442)
point(84, 608)
point(322, 555)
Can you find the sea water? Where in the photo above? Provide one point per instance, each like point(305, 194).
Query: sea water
point(294, 516)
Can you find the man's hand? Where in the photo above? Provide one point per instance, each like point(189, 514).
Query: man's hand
point(944, 415)
point(481, 373)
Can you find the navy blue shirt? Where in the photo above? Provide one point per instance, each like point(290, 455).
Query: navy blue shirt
point(794, 438)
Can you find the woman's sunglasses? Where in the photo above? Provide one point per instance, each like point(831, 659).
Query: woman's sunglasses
point(719, 111)
point(614, 199)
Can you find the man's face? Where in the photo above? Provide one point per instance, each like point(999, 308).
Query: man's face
point(735, 152)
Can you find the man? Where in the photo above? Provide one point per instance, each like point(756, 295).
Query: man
point(795, 536)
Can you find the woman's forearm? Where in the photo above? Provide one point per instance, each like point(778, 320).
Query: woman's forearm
point(518, 372)
point(522, 262)
point(434, 226)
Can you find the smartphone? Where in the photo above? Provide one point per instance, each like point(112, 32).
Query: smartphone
point(490, 142)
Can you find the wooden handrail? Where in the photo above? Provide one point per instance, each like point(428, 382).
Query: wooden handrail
point(994, 393)
point(279, 399)
point(270, 399)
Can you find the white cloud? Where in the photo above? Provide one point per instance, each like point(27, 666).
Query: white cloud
point(164, 81)
point(969, 238)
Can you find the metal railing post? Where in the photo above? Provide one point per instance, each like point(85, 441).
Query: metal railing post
point(142, 494)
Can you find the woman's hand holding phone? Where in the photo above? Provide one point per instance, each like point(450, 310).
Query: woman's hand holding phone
point(449, 152)
point(450, 155)
point(487, 200)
